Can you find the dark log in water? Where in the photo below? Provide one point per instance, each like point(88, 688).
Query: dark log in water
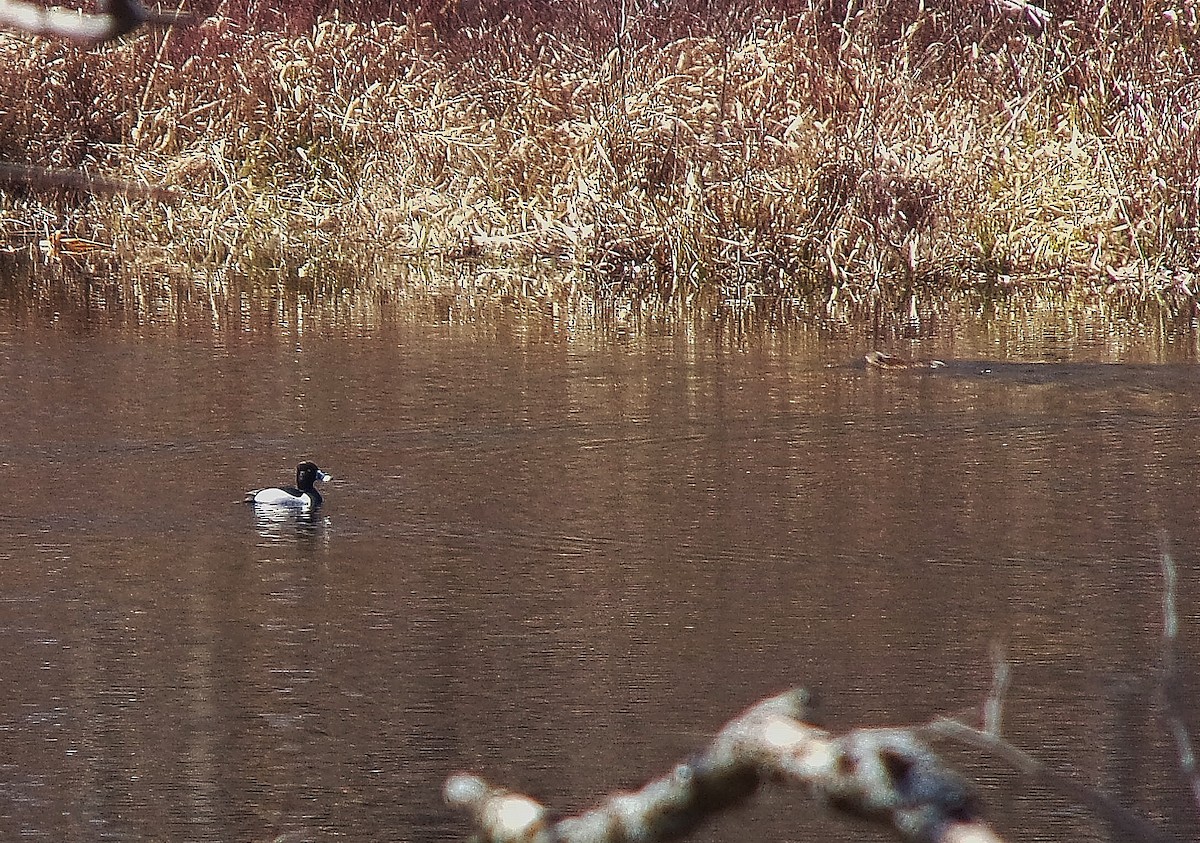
point(880, 360)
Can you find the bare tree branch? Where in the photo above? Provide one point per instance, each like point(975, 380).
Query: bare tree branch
point(882, 775)
point(1131, 826)
point(117, 18)
point(42, 177)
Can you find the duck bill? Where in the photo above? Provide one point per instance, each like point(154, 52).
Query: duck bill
point(322, 476)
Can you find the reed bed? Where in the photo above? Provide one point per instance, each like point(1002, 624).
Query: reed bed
point(813, 149)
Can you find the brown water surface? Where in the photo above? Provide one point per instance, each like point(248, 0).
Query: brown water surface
point(561, 547)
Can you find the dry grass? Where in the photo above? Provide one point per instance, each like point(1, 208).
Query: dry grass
point(797, 149)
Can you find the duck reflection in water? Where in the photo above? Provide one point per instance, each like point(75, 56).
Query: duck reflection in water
point(281, 525)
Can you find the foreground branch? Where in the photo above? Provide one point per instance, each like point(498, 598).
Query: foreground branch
point(883, 775)
point(118, 18)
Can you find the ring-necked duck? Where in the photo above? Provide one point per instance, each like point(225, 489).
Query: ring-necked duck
point(305, 497)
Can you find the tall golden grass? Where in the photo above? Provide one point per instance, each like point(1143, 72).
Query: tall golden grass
point(822, 148)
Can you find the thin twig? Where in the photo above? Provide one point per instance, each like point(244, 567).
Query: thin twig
point(1168, 687)
point(1131, 827)
point(994, 707)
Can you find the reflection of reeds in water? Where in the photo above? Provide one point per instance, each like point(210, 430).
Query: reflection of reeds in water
point(227, 302)
point(782, 152)
point(559, 310)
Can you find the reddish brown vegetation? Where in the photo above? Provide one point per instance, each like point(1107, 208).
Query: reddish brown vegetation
point(652, 148)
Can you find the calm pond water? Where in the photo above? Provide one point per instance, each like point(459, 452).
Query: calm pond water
point(562, 546)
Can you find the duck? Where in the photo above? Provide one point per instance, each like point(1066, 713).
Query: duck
point(305, 496)
point(881, 360)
